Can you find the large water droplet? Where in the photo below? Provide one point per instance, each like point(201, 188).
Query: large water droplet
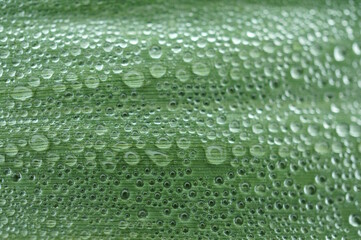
point(158, 158)
point(354, 220)
point(215, 155)
point(21, 93)
point(91, 82)
point(157, 70)
point(39, 143)
point(133, 79)
point(131, 158)
point(200, 69)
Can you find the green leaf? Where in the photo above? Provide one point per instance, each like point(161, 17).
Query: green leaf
point(180, 119)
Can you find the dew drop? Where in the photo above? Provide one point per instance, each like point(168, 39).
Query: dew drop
point(158, 158)
point(91, 82)
point(39, 143)
point(215, 155)
point(21, 93)
point(133, 79)
point(354, 220)
point(200, 69)
point(155, 52)
point(157, 70)
point(131, 158)
point(339, 54)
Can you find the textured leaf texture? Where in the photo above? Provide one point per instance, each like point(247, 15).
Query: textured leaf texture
point(180, 119)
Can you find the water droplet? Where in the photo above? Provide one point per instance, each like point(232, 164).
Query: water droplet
point(183, 143)
point(257, 151)
point(182, 75)
point(354, 220)
point(34, 81)
point(155, 52)
point(322, 147)
point(91, 82)
point(39, 143)
point(157, 70)
point(70, 160)
point(50, 223)
point(133, 79)
point(342, 130)
point(339, 54)
point(356, 47)
point(131, 158)
point(215, 155)
point(158, 158)
point(47, 73)
point(21, 93)
point(309, 189)
point(200, 69)
point(11, 149)
point(163, 143)
point(238, 150)
point(296, 72)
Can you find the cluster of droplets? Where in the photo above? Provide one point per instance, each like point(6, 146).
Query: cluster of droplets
point(247, 128)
